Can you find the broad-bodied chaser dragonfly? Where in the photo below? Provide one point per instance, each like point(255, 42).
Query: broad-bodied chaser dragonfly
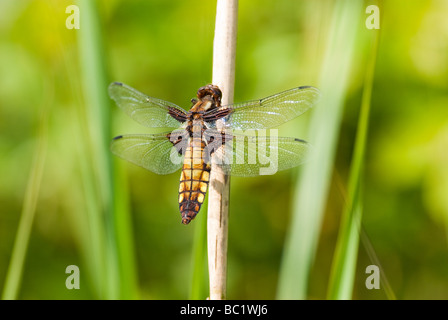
point(204, 136)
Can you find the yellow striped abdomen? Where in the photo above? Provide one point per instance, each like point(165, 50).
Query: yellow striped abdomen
point(193, 180)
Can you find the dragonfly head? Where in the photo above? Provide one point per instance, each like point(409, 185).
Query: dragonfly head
point(212, 91)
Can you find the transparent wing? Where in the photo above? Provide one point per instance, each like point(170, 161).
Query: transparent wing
point(148, 111)
point(248, 156)
point(269, 112)
point(154, 152)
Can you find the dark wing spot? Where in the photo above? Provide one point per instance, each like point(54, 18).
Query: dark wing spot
point(216, 114)
point(118, 83)
point(177, 114)
point(118, 137)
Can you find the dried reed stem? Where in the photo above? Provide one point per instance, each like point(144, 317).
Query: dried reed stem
point(218, 205)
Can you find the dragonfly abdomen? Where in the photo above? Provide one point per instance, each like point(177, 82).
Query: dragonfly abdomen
point(193, 180)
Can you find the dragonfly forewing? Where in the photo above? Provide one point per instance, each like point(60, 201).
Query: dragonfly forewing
point(269, 112)
point(146, 110)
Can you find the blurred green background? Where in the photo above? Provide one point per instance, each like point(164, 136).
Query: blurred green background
point(164, 49)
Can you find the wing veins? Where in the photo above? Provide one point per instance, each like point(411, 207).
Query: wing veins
point(271, 111)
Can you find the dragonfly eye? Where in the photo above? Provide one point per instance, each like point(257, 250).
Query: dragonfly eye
point(210, 90)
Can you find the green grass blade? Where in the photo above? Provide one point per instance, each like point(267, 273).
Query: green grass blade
point(199, 281)
point(98, 167)
point(124, 234)
point(110, 225)
point(93, 239)
point(311, 191)
point(344, 263)
point(16, 265)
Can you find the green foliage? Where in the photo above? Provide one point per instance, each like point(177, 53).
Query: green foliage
point(346, 252)
point(312, 188)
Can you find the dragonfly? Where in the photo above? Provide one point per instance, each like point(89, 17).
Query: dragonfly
point(208, 135)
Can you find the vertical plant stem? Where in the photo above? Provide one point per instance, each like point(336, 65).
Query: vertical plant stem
point(344, 263)
point(15, 269)
point(312, 188)
point(98, 178)
point(109, 220)
point(224, 48)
